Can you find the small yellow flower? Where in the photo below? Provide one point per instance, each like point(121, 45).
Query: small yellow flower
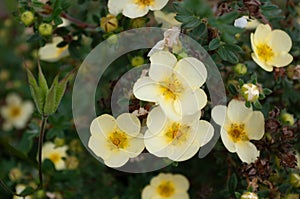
point(250, 92)
point(249, 195)
point(176, 140)
point(55, 154)
point(109, 23)
point(175, 86)
point(239, 125)
point(16, 113)
point(135, 8)
point(167, 186)
point(51, 53)
point(19, 189)
point(271, 47)
point(116, 140)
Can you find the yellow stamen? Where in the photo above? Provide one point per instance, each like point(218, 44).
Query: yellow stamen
point(119, 139)
point(55, 157)
point(237, 132)
point(171, 88)
point(15, 112)
point(166, 189)
point(144, 2)
point(264, 52)
point(176, 132)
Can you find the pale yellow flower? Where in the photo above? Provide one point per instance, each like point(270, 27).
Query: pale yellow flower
point(51, 53)
point(167, 186)
point(176, 140)
point(271, 47)
point(55, 154)
point(175, 86)
point(239, 125)
point(116, 140)
point(134, 8)
point(16, 113)
point(19, 189)
point(166, 19)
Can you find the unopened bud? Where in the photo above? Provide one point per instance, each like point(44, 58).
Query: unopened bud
point(109, 23)
point(250, 92)
point(287, 118)
point(45, 29)
point(27, 18)
point(240, 69)
point(137, 61)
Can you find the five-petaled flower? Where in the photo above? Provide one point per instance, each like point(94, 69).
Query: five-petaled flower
point(176, 140)
point(116, 140)
point(239, 125)
point(167, 186)
point(55, 154)
point(135, 8)
point(271, 47)
point(16, 113)
point(51, 53)
point(175, 86)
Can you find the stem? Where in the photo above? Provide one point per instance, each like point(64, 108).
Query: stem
point(79, 23)
point(41, 139)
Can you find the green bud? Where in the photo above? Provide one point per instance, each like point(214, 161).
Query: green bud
point(249, 195)
point(292, 196)
point(240, 69)
point(59, 142)
point(15, 174)
point(27, 18)
point(137, 61)
point(287, 118)
point(45, 29)
point(40, 194)
point(138, 22)
point(250, 92)
point(295, 180)
point(109, 23)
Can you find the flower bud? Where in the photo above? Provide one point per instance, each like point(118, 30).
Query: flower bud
point(240, 69)
point(250, 92)
point(138, 22)
point(59, 142)
point(72, 162)
point(27, 18)
point(45, 29)
point(40, 194)
point(295, 180)
point(15, 174)
point(249, 195)
point(292, 196)
point(287, 118)
point(137, 61)
point(109, 23)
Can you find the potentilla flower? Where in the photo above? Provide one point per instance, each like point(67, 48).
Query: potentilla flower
point(51, 53)
point(176, 140)
point(135, 8)
point(239, 125)
point(250, 92)
point(16, 113)
point(166, 19)
point(167, 186)
point(19, 189)
point(175, 86)
point(55, 154)
point(116, 140)
point(271, 47)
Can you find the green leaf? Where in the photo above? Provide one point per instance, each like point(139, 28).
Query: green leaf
point(267, 91)
point(49, 107)
point(42, 81)
point(214, 44)
point(237, 195)
point(36, 92)
point(248, 104)
point(232, 89)
point(232, 184)
point(27, 191)
point(257, 104)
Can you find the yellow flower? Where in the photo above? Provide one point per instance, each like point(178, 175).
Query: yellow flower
point(116, 140)
point(167, 186)
point(55, 154)
point(135, 8)
point(239, 125)
point(167, 20)
point(16, 113)
point(109, 23)
point(176, 140)
point(51, 53)
point(175, 86)
point(19, 189)
point(271, 47)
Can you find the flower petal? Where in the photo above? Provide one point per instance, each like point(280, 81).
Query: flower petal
point(205, 131)
point(237, 112)
point(117, 158)
point(281, 60)
point(262, 33)
point(13, 99)
point(97, 143)
point(116, 6)
point(162, 65)
point(158, 4)
point(280, 41)
point(171, 108)
point(136, 146)
point(181, 183)
point(228, 143)
point(156, 121)
point(184, 151)
point(255, 126)
point(155, 143)
point(103, 124)
point(148, 192)
point(129, 123)
point(181, 196)
point(159, 46)
point(264, 65)
point(247, 152)
point(133, 10)
point(146, 89)
point(218, 114)
point(192, 101)
point(192, 71)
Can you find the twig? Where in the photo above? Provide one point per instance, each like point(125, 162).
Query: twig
point(79, 23)
point(41, 139)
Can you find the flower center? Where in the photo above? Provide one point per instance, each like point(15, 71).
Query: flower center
point(15, 112)
point(265, 52)
point(176, 132)
point(144, 2)
point(171, 88)
point(166, 189)
point(119, 139)
point(237, 132)
point(55, 157)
